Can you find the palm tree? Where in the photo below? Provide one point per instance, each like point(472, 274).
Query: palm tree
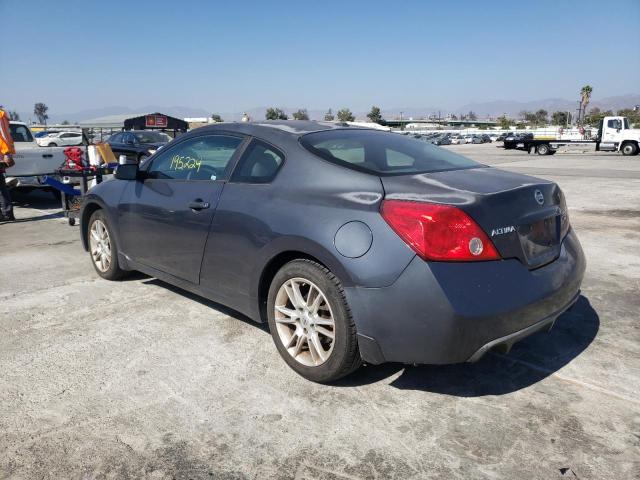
point(585, 96)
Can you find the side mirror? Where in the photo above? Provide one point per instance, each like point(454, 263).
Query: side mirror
point(128, 171)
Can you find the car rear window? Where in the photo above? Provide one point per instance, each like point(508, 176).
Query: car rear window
point(382, 153)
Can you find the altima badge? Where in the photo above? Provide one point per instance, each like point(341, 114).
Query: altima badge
point(539, 197)
point(502, 230)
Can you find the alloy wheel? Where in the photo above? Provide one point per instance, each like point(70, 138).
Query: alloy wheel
point(100, 245)
point(305, 322)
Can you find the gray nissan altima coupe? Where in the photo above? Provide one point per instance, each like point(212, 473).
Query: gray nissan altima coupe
point(355, 245)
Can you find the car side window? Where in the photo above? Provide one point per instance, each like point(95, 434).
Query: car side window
point(117, 138)
point(259, 164)
point(398, 159)
point(200, 158)
point(20, 133)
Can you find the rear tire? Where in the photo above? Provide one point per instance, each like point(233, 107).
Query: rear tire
point(103, 249)
point(543, 149)
point(53, 144)
point(629, 149)
point(313, 331)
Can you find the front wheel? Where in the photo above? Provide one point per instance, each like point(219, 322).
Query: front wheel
point(53, 144)
point(311, 323)
point(629, 149)
point(103, 247)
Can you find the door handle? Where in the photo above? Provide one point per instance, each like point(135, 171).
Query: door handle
point(198, 205)
point(47, 155)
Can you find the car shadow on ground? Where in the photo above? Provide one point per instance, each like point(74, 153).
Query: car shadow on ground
point(42, 200)
point(529, 361)
point(203, 301)
point(46, 205)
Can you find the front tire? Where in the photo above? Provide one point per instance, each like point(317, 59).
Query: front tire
point(629, 149)
point(103, 248)
point(310, 322)
point(53, 144)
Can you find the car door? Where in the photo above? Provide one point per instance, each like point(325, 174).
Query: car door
point(614, 130)
point(165, 217)
point(67, 139)
point(235, 237)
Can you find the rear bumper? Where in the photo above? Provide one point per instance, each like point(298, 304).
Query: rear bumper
point(441, 313)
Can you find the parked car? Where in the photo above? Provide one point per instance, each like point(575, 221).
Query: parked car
point(457, 140)
point(476, 139)
point(60, 139)
point(443, 139)
point(514, 140)
point(44, 133)
point(485, 138)
point(137, 144)
point(493, 137)
point(353, 244)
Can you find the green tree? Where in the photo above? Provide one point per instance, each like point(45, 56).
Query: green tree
point(275, 114)
point(65, 122)
point(528, 117)
point(541, 117)
point(585, 97)
point(329, 117)
point(13, 115)
point(345, 115)
point(595, 115)
point(301, 114)
point(504, 122)
point(216, 118)
point(374, 115)
point(559, 118)
point(632, 115)
point(40, 111)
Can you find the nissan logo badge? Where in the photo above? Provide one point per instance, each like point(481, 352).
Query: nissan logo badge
point(539, 197)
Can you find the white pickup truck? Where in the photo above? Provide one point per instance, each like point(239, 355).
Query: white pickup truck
point(32, 161)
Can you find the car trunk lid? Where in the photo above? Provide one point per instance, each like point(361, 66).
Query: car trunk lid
point(525, 217)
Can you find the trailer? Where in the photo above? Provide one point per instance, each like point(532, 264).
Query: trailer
point(614, 135)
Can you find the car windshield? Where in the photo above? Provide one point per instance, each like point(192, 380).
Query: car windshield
point(152, 137)
point(382, 153)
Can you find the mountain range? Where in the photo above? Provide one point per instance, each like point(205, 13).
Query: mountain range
point(494, 108)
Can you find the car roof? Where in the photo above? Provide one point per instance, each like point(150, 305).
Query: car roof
point(295, 128)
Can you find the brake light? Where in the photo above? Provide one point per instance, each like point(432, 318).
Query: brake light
point(438, 232)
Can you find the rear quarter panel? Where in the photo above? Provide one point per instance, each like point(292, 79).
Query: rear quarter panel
point(301, 211)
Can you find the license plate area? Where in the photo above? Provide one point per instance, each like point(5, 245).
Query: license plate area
point(540, 240)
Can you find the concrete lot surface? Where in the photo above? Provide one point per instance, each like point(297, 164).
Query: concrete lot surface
point(137, 379)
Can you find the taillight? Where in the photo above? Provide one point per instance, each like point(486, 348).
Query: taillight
point(438, 232)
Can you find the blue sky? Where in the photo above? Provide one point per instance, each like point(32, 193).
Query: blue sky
point(231, 56)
